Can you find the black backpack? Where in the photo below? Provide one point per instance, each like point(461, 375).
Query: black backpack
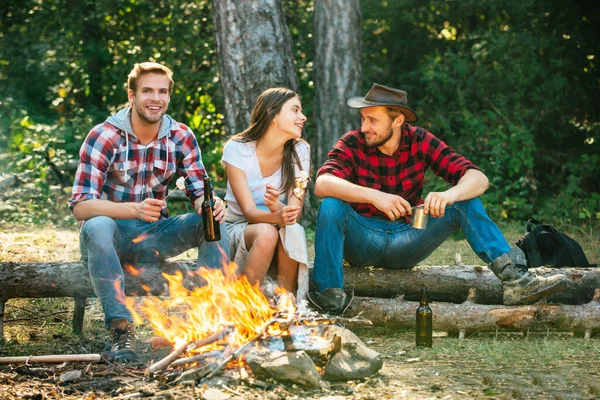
point(543, 245)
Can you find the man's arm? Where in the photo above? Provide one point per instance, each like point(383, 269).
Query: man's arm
point(148, 210)
point(394, 206)
point(472, 184)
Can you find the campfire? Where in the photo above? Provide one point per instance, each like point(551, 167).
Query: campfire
point(229, 324)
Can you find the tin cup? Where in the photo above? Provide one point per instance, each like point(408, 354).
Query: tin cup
point(419, 219)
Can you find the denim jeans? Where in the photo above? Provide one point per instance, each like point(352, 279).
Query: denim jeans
point(344, 234)
point(106, 242)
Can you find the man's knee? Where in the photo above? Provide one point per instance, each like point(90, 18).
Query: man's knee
point(332, 210)
point(98, 229)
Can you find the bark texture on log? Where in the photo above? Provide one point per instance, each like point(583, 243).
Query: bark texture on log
point(71, 279)
point(472, 317)
point(445, 283)
point(254, 53)
point(452, 283)
point(338, 71)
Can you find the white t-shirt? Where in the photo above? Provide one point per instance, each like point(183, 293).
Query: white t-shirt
point(243, 156)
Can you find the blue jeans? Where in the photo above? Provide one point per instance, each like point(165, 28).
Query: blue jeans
point(106, 242)
point(344, 234)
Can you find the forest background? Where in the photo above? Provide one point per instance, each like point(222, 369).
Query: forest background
point(513, 85)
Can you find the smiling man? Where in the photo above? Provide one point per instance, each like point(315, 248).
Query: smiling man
point(125, 166)
point(372, 179)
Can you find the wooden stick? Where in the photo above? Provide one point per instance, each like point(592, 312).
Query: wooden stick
point(196, 358)
point(165, 362)
point(57, 358)
point(348, 321)
point(224, 358)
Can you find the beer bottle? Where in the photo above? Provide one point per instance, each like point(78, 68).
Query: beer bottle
point(212, 229)
point(424, 321)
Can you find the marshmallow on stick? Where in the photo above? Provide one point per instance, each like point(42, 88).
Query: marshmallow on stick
point(180, 185)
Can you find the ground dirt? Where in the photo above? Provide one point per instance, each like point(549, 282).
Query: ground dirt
point(500, 365)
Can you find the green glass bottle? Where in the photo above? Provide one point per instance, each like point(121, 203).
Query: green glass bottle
point(424, 322)
point(212, 229)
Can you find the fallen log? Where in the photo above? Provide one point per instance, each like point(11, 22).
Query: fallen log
point(446, 283)
point(452, 283)
point(472, 317)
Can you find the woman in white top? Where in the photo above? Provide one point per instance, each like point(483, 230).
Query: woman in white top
point(264, 164)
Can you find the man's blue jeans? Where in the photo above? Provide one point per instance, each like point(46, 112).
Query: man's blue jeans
point(344, 234)
point(106, 242)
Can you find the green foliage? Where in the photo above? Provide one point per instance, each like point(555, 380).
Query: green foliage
point(512, 85)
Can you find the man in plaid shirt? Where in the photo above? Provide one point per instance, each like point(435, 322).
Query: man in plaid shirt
point(125, 166)
point(370, 183)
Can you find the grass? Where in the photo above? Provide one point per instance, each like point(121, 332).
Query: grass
point(499, 366)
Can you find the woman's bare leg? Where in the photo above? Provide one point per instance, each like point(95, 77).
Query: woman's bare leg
point(287, 270)
point(261, 241)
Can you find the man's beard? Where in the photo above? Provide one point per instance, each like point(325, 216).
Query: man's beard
point(382, 141)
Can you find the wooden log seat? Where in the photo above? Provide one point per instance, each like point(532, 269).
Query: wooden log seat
point(449, 284)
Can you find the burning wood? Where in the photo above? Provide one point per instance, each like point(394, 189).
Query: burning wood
point(188, 319)
point(165, 362)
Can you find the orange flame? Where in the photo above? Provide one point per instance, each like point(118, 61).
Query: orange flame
point(138, 239)
point(131, 270)
point(224, 300)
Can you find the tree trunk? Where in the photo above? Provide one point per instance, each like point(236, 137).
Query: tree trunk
point(71, 279)
point(254, 52)
point(448, 284)
point(338, 72)
point(452, 283)
point(470, 317)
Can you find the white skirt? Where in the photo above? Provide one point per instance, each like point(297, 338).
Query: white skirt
point(292, 237)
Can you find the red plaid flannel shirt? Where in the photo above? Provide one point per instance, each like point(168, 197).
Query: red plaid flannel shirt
point(402, 173)
point(121, 169)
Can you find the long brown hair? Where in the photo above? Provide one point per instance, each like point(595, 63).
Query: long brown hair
point(267, 106)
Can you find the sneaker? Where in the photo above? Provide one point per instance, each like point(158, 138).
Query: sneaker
point(123, 342)
point(521, 286)
point(529, 288)
point(334, 301)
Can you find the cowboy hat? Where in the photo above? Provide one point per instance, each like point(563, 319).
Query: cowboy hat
point(380, 95)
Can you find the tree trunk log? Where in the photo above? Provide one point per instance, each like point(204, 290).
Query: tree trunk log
point(445, 283)
point(254, 53)
point(71, 279)
point(338, 71)
point(452, 283)
point(470, 317)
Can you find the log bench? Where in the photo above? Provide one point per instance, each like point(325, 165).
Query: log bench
point(448, 284)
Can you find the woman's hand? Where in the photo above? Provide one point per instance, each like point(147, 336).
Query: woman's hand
point(289, 215)
point(271, 198)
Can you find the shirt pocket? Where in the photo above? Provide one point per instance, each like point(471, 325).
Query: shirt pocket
point(125, 172)
point(162, 173)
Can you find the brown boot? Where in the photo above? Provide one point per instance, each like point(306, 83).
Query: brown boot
point(122, 334)
point(521, 286)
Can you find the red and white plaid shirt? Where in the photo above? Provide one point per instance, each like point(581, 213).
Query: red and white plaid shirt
point(401, 173)
point(115, 166)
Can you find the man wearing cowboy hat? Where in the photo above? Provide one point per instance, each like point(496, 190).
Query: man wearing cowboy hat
point(370, 182)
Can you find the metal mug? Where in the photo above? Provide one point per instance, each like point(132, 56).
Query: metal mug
point(419, 219)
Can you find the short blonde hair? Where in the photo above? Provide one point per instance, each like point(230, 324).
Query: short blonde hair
point(140, 69)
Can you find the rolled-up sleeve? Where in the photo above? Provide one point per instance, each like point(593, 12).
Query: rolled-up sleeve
point(95, 158)
point(340, 160)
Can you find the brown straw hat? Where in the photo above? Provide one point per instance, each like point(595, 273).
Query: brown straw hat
point(380, 95)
